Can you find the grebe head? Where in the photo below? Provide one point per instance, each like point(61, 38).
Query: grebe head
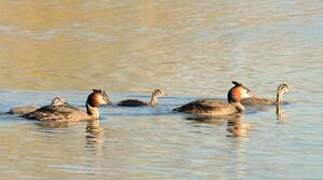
point(238, 92)
point(98, 97)
point(154, 96)
point(158, 93)
point(283, 88)
point(57, 101)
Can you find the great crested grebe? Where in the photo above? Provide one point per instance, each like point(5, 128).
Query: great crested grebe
point(56, 101)
point(135, 102)
point(254, 101)
point(67, 113)
point(214, 107)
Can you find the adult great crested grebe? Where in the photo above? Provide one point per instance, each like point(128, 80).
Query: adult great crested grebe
point(212, 107)
point(258, 101)
point(135, 102)
point(56, 101)
point(67, 113)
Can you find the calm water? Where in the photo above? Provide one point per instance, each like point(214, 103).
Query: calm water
point(188, 49)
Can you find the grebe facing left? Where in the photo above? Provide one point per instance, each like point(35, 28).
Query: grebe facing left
point(62, 112)
point(212, 107)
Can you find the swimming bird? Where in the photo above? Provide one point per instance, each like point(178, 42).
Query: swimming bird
point(135, 102)
point(213, 107)
point(67, 113)
point(57, 101)
point(254, 101)
point(23, 109)
point(30, 108)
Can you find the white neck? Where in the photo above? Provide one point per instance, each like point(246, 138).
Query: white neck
point(279, 97)
point(153, 100)
point(239, 106)
point(92, 111)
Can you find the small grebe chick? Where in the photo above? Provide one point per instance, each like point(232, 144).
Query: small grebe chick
point(135, 102)
point(62, 112)
point(212, 107)
point(56, 101)
point(254, 101)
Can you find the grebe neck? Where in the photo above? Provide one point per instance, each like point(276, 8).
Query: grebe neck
point(92, 111)
point(279, 97)
point(153, 100)
point(239, 106)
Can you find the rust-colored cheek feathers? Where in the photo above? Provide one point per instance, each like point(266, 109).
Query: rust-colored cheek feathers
point(234, 94)
point(94, 99)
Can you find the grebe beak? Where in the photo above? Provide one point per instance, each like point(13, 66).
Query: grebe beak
point(106, 99)
point(251, 94)
point(248, 93)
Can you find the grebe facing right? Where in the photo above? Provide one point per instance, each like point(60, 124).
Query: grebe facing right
point(135, 102)
point(212, 107)
point(62, 112)
point(254, 101)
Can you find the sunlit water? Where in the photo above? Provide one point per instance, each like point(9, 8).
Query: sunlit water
point(188, 49)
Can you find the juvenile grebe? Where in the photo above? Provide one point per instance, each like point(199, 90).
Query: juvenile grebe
point(212, 107)
point(56, 101)
point(254, 101)
point(67, 113)
point(135, 102)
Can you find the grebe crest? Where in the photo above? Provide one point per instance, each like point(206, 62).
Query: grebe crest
point(238, 92)
point(98, 97)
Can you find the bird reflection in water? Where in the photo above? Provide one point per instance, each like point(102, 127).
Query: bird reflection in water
point(94, 132)
point(280, 115)
point(196, 119)
point(237, 128)
point(48, 124)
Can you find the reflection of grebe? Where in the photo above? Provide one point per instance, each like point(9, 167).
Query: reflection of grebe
point(94, 132)
point(281, 116)
point(56, 101)
point(135, 102)
point(253, 101)
point(236, 128)
point(214, 107)
point(68, 113)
